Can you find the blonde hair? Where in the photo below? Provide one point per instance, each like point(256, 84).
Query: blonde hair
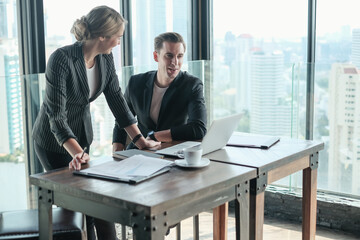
point(101, 21)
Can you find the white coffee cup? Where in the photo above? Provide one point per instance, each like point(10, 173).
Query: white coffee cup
point(193, 155)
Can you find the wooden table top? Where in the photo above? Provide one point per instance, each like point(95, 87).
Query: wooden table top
point(171, 188)
point(285, 151)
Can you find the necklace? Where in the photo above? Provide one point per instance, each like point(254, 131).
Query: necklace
point(88, 61)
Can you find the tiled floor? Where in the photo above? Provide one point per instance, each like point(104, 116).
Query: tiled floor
point(273, 229)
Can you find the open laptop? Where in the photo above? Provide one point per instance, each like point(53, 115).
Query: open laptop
point(216, 137)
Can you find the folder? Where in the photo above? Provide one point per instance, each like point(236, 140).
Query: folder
point(252, 141)
point(132, 152)
point(132, 170)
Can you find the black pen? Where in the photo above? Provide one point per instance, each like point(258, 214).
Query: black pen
point(83, 153)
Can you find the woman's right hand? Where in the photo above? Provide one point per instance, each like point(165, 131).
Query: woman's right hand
point(78, 159)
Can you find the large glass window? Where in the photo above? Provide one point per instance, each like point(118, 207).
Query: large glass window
point(12, 164)
point(256, 44)
point(257, 50)
point(59, 17)
point(337, 92)
point(153, 17)
point(260, 59)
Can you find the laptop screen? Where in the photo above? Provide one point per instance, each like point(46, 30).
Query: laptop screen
point(216, 137)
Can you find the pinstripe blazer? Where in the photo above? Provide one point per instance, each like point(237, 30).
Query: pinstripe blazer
point(65, 112)
point(182, 108)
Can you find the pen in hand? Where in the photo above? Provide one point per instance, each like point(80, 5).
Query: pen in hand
point(82, 155)
point(83, 152)
point(76, 162)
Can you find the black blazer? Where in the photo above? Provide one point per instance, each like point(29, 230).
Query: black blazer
point(65, 112)
point(182, 108)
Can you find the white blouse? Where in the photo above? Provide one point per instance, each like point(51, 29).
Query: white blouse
point(93, 79)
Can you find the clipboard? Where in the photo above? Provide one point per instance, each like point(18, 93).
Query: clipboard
point(252, 141)
point(132, 152)
point(131, 170)
point(132, 180)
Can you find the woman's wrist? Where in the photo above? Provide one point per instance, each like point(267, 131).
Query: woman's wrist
point(136, 138)
point(72, 147)
point(118, 147)
point(140, 143)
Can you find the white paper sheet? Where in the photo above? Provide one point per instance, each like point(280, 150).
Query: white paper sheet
point(137, 165)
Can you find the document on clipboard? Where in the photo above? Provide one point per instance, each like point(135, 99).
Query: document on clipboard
point(133, 170)
point(252, 141)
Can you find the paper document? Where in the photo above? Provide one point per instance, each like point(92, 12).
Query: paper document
point(133, 169)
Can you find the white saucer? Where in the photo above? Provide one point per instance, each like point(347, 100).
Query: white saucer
point(182, 163)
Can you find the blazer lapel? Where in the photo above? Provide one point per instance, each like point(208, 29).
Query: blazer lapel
point(148, 92)
point(79, 68)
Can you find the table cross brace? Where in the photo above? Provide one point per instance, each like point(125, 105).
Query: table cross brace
point(145, 225)
point(314, 160)
point(242, 188)
point(46, 196)
point(260, 183)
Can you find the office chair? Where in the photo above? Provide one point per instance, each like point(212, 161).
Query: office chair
point(24, 225)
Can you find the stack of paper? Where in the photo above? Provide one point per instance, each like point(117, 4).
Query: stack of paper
point(133, 169)
point(132, 152)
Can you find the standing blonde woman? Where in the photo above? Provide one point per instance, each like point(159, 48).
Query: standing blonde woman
point(75, 76)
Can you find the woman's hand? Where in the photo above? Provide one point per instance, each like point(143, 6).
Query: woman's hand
point(79, 154)
point(151, 144)
point(118, 147)
point(78, 159)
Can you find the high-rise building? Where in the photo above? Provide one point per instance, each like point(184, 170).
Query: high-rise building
point(11, 107)
point(152, 18)
point(3, 22)
point(4, 140)
point(7, 19)
point(154, 12)
point(180, 21)
point(240, 71)
point(344, 122)
point(13, 102)
point(270, 112)
point(355, 48)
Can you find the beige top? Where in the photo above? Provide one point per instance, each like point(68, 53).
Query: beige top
point(158, 94)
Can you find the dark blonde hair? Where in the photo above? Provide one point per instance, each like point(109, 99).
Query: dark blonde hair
point(168, 37)
point(101, 21)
